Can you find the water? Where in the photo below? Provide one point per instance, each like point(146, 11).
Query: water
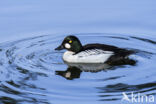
point(22, 19)
point(32, 72)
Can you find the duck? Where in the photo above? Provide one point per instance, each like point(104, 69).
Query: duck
point(91, 53)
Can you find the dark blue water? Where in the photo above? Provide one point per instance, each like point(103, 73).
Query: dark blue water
point(32, 72)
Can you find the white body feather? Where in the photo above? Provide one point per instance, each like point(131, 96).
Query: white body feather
point(88, 56)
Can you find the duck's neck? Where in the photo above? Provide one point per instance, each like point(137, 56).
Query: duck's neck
point(77, 47)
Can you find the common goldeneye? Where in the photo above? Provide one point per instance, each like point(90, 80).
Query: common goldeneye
point(91, 53)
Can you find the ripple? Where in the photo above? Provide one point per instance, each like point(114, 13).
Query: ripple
point(31, 71)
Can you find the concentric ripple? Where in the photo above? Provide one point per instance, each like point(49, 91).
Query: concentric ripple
point(28, 72)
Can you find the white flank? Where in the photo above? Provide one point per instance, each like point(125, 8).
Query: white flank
point(88, 56)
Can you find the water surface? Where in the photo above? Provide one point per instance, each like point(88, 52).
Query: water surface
point(32, 72)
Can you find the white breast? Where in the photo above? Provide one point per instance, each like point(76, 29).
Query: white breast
point(88, 56)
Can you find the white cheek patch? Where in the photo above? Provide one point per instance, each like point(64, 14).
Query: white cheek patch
point(67, 45)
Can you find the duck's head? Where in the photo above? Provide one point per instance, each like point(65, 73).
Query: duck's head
point(71, 43)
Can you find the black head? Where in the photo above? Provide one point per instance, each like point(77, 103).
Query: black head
point(71, 43)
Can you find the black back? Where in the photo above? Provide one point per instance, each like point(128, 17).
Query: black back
point(118, 51)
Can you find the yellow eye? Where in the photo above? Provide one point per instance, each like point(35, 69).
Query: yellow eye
point(70, 41)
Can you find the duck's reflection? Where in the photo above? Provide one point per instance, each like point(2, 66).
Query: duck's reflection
point(70, 73)
point(74, 70)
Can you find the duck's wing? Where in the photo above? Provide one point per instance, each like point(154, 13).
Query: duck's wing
point(114, 49)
